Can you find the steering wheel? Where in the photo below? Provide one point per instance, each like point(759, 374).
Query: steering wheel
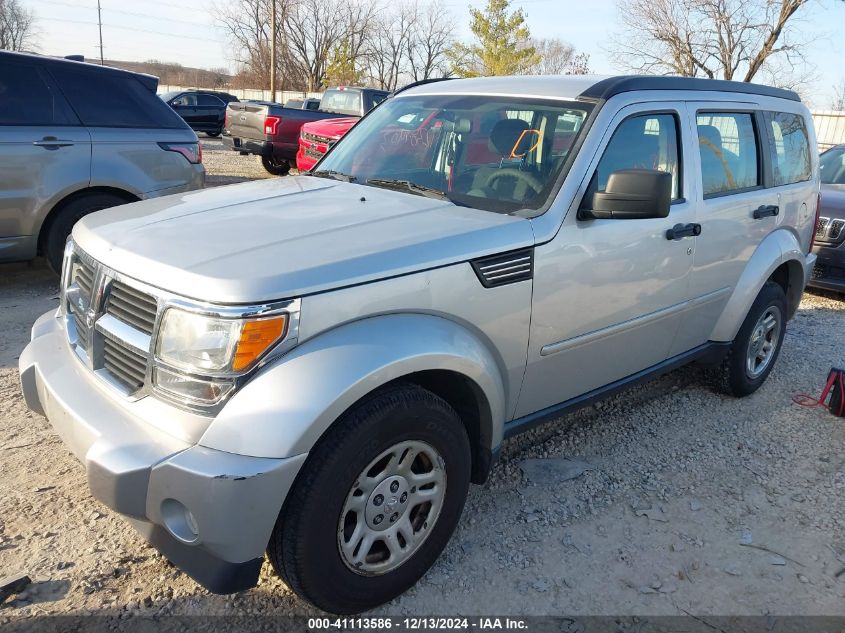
point(530, 181)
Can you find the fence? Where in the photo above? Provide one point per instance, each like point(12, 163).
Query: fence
point(830, 128)
point(257, 95)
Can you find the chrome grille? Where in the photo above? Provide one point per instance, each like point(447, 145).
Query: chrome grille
point(110, 323)
point(316, 138)
point(128, 367)
point(133, 307)
point(830, 230)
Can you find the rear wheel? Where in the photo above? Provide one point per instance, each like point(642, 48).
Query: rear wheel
point(214, 133)
point(757, 344)
point(376, 502)
point(276, 166)
point(68, 215)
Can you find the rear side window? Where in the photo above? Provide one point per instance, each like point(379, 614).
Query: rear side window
point(114, 100)
point(209, 100)
point(26, 99)
point(727, 142)
point(648, 141)
point(789, 147)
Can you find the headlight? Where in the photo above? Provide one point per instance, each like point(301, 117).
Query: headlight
point(205, 344)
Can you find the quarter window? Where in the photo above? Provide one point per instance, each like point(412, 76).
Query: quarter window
point(789, 148)
point(728, 145)
point(647, 141)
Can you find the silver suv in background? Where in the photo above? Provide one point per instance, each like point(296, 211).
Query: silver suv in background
point(318, 366)
point(76, 138)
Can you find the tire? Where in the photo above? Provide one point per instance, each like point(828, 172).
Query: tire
point(214, 134)
point(69, 214)
point(305, 547)
point(276, 166)
point(736, 376)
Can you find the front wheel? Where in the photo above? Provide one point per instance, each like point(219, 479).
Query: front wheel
point(757, 344)
point(376, 502)
point(276, 166)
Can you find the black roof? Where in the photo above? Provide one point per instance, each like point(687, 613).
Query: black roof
point(606, 88)
point(150, 82)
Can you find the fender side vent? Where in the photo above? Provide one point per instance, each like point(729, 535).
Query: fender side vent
point(508, 268)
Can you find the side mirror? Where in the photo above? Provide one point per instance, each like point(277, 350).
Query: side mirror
point(633, 194)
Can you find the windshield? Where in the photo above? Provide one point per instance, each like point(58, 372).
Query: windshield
point(342, 102)
point(832, 166)
point(499, 154)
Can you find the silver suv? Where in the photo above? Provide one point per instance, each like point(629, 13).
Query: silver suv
point(318, 366)
point(76, 138)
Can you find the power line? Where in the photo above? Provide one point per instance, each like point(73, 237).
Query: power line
point(108, 10)
point(134, 29)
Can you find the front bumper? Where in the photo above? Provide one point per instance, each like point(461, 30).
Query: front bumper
point(210, 512)
point(829, 269)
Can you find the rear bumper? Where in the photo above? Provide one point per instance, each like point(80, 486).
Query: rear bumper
point(210, 512)
point(261, 148)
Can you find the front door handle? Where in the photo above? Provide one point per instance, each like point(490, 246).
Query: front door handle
point(680, 231)
point(766, 211)
point(51, 142)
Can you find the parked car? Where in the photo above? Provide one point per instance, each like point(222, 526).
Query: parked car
point(272, 131)
point(317, 137)
point(829, 273)
point(303, 104)
point(76, 138)
point(319, 366)
point(203, 110)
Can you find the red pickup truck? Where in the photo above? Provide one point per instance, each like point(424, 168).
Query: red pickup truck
point(271, 130)
point(317, 137)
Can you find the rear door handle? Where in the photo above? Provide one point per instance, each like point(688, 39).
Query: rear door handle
point(680, 231)
point(766, 211)
point(50, 142)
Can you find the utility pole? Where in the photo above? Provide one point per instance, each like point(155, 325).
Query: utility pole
point(100, 24)
point(272, 50)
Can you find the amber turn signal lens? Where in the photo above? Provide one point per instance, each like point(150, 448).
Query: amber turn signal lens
point(256, 337)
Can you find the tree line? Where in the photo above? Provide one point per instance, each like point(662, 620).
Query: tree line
point(329, 42)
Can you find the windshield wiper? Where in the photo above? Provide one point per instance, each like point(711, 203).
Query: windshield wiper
point(407, 185)
point(333, 175)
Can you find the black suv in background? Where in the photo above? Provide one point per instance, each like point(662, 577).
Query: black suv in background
point(203, 110)
point(829, 272)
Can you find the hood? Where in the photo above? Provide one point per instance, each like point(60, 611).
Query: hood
point(333, 128)
point(288, 237)
point(833, 201)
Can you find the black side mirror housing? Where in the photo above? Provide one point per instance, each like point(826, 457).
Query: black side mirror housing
point(632, 194)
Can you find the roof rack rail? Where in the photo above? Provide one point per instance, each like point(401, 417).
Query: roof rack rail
point(421, 82)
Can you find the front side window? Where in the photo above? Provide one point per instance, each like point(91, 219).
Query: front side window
point(648, 141)
point(189, 100)
point(789, 148)
point(494, 153)
point(727, 143)
point(832, 166)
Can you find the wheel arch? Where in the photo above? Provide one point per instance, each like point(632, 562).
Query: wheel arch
point(295, 401)
point(44, 229)
point(778, 258)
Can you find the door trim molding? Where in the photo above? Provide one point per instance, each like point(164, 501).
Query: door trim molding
point(632, 324)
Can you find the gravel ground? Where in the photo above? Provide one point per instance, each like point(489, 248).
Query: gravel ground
point(693, 502)
point(225, 167)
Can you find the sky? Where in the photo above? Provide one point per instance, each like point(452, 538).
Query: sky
point(183, 31)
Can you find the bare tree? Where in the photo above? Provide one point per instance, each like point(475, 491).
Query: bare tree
point(838, 101)
point(387, 53)
point(432, 37)
point(724, 39)
point(559, 58)
point(17, 26)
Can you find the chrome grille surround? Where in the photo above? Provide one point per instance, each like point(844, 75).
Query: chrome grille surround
point(830, 230)
point(316, 138)
point(111, 327)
